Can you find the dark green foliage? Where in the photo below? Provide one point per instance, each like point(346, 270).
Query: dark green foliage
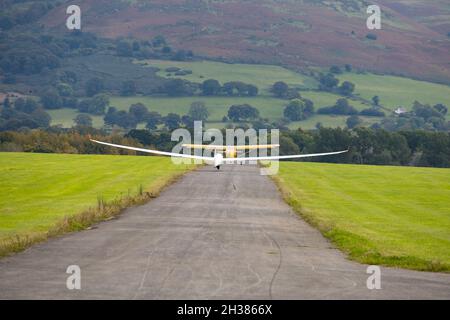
point(83, 119)
point(353, 121)
point(178, 87)
point(153, 119)
point(51, 99)
point(376, 100)
point(342, 107)
point(128, 88)
point(242, 112)
point(299, 109)
point(280, 89)
point(96, 105)
point(211, 87)
point(372, 112)
point(198, 111)
point(139, 111)
point(172, 121)
point(335, 70)
point(26, 105)
point(328, 82)
point(124, 48)
point(346, 88)
point(238, 88)
point(94, 86)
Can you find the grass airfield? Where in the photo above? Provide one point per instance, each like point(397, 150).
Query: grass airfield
point(38, 191)
point(394, 216)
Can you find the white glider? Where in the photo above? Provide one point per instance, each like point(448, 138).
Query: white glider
point(218, 158)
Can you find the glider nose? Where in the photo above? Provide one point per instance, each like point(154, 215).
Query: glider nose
point(218, 160)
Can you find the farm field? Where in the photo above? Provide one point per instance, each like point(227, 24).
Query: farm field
point(269, 107)
point(262, 76)
point(393, 92)
point(395, 216)
point(39, 190)
point(398, 91)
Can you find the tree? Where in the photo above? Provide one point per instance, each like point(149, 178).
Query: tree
point(372, 112)
point(83, 119)
point(139, 111)
point(211, 87)
point(328, 82)
point(346, 88)
point(124, 49)
point(158, 41)
point(341, 107)
point(110, 117)
point(25, 106)
point(294, 111)
point(172, 121)
point(99, 104)
point(425, 111)
point(95, 105)
point(153, 119)
point(177, 87)
point(288, 146)
point(6, 103)
point(376, 100)
point(51, 99)
point(442, 109)
point(335, 70)
point(280, 89)
point(309, 107)
point(187, 121)
point(348, 68)
point(124, 119)
point(252, 90)
point(242, 112)
point(41, 117)
point(198, 111)
point(299, 109)
point(128, 88)
point(64, 89)
point(94, 86)
point(353, 121)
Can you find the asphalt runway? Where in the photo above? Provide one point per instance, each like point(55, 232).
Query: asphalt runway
point(212, 235)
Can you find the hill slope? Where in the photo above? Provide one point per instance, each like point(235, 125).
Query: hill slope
point(297, 34)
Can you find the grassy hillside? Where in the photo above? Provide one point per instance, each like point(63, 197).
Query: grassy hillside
point(397, 91)
point(262, 76)
point(396, 216)
point(298, 34)
point(39, 190)
point(393, 91)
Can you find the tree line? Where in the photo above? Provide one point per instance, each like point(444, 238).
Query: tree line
point(366, 146)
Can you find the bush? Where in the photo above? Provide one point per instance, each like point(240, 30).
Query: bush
point(342, 107)
point(372, 112)
point(371, 36)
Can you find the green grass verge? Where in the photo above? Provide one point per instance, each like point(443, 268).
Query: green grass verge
point(43, 195)
point(393, 216)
